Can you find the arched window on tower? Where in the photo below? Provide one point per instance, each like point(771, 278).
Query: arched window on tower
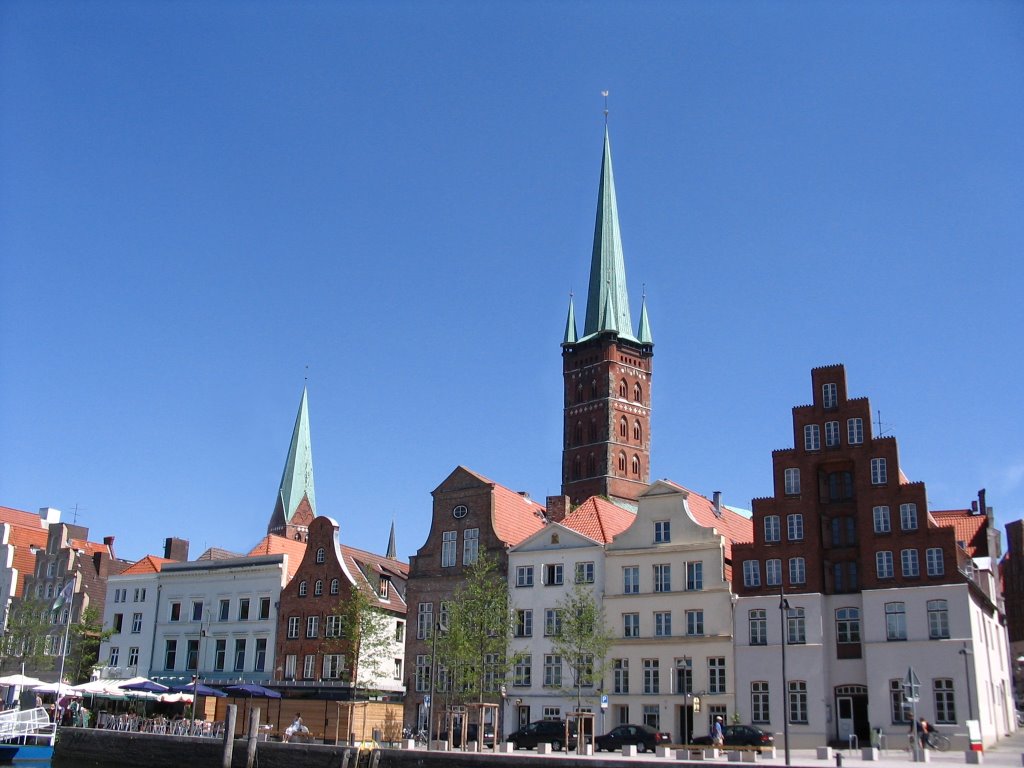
point(579, 393)
point(576, 468)
point(638, 393)
point(593, 389)
point(622, 389)
point(638, 432)
point(623, 427)
point(622, 463)
point(579, 433)
point(592, 435)
point(636, 465)
point(591, 466)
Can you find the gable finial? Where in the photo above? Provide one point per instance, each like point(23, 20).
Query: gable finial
point(605, 94)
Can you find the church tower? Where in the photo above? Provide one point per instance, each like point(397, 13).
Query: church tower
point(606, 447)
point(295, 507)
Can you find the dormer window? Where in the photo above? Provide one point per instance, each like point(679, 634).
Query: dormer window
point(829, 396)
point(384, 587)
point(321, 555)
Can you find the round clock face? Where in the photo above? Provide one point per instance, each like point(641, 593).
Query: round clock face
point(460, 512)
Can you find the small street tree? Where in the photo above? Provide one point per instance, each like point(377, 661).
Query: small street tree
point(84, 641)
point(473, 648)
point(583, 641)
point(366, 637)
point(28, 625)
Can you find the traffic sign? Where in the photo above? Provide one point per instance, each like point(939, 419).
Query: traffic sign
point(604, 701)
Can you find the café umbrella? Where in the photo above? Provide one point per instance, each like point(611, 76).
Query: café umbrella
point(198, 690)
point(143, 685)
point(250, 691)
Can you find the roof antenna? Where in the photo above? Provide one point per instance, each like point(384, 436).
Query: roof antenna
point(605, 94)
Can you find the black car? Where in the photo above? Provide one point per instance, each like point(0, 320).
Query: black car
point(741, 736)
point(472, 732)
point(643, 736)
point(543, 731)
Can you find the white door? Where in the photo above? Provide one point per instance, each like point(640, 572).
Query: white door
point(844, 708)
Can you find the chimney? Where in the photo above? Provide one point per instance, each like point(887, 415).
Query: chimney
point(108, 542)
point(48, 515)
point(557, 508)
point(176, 549)
point(718, 503)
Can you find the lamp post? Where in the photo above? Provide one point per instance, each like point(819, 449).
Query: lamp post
point(967, 680)
point(438, 629)
point(783, 609)
point(501, 718)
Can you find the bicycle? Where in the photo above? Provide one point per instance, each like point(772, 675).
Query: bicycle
point(419, 737)
point(937, 741)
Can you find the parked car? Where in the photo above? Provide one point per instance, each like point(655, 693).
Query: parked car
point(741, 736)
point(543, 731)
point(472, 732)
point(643, 736)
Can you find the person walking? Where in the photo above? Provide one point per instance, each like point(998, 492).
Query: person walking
point(717, 734)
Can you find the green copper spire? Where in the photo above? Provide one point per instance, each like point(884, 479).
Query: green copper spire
point(570, 325)
point(297, 480)
point(644, 336)
point(607, 300)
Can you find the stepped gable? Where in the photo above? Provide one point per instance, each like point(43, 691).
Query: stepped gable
point(148, 564)
point(599, 519)
point(514, 515)
point(272, 544)
point(736, 528)
point(970, 528)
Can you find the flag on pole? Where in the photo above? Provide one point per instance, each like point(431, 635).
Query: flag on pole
point(64, 596)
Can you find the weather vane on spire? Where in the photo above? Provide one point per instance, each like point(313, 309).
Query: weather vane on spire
point(605, 94)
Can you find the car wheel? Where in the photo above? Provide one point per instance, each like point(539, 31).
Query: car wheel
point(641, 747)
point(556, 745)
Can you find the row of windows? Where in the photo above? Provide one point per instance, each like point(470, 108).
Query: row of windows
point(773, 572)
point(118, 624)
point(332, 627)
point(220, 657)
point(595, 433)
point(450, 546)
point(332, 667)
point(138, 595)
point(244, 612)
point(681, 682)
point(662, 623)
point(848, 623)
point(812, 434)
point(843, 533)
point(635, 466)
point(554, 574)
point(693, 579)
point(445, 679)
point(623, 391)
point(910, 565)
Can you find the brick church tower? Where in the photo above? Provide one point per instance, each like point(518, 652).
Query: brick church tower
point(295, 507)
point(607, 373)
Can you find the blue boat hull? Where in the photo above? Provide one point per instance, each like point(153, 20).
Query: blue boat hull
point(18, 754)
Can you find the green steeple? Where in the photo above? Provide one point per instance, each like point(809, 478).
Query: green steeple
point(644, 336)
point(570, 325)
point(297, 480)
point(607, 299)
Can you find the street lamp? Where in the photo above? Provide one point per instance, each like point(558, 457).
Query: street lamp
point(438, 629)
point(501, 716)
point(783, 609)
point(967, 680)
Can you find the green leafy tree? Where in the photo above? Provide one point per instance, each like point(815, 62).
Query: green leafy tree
point(366, 638)
point(84, 640)
point(473, 647)
point(583, 641)
point(28, 625)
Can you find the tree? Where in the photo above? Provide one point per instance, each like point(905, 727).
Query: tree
point(473, 647)
point(583, 641)
point(28, 626)
point(84, 641)
point(367, 638)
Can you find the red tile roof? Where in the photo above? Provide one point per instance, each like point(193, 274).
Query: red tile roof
point(369, 564)
point(736, 528)
point(272, 544)
point(969, 527)
point(599, 519)
point(148, 564)
point(23, 539)
point(18, 517)
point(515, 516)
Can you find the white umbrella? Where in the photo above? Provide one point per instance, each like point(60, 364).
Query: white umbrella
point(22, 680)
point(57, 688)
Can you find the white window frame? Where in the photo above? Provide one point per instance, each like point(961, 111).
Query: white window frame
point(772, 529)
point(751, 573)
point(524, 576)
point(879, 472)
point(908, 517)
point(812, 437)
point(935, 561)
point(797, 570)
point(449, 545)
point(773, 572)
point(831, 434)
point(662, 531)
point(791, 481)
point(829, 395)
point(855, 431)
point(910, 564)
point(795, 527)
point(882, 519)
point(884, 568)
point(470, 545)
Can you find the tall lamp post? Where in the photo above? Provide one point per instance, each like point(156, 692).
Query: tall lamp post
point(967, 680)
point(438, 629)
point(783, 610)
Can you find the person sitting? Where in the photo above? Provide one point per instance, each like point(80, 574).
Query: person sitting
point(296, 728)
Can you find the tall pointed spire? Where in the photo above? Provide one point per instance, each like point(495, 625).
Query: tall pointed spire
point(570, 325)
point(392, 550)
point(644, 334)
point(607, 299)
point(297, 479)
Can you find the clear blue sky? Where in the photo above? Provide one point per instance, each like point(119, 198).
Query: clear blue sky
point(198, 200)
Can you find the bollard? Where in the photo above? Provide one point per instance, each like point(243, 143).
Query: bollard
point(252, 734)
point(229, 735)
point(839, 760)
